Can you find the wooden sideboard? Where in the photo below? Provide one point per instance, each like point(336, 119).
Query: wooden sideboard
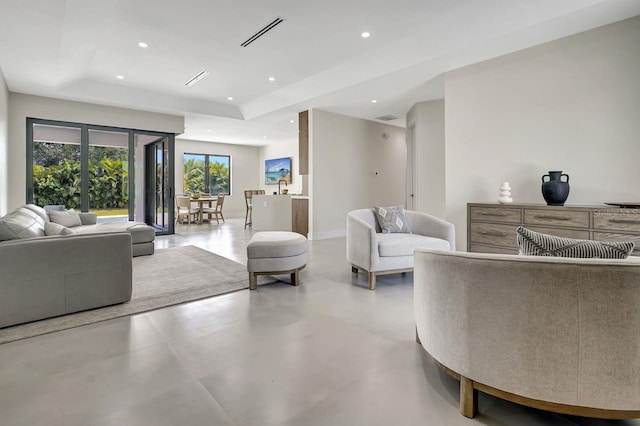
point(491, 227)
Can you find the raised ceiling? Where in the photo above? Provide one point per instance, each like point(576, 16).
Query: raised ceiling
point(74, 49)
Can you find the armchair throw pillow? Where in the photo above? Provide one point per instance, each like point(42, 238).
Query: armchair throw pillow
point(539, 244)
point(67, 218)
point(392, 219)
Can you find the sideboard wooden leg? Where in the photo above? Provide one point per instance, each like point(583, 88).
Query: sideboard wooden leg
point(468, 398)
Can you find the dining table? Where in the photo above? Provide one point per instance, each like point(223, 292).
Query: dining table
point(209, 199)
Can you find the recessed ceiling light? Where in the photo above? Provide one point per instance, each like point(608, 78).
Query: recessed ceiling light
point(292, 121)
point(229, 98)
point(208, 130)
point(264, 137)
point(272, 79)
point(374, 101)
point(120, 77)
point(365, 34)
point(143, 44)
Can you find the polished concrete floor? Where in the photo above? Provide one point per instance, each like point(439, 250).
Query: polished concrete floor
point(329, 352)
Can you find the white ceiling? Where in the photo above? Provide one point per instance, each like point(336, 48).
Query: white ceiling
point(73, 49)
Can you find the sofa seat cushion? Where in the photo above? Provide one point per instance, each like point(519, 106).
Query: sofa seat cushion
point(390, 245)
point(140, 232)
point(21, 223)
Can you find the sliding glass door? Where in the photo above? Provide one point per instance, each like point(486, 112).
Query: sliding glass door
point(101, 170)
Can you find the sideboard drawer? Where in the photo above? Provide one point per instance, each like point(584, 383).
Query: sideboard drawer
point(566, 219)
point(627, 220)
point(491, 214)
point(493, 234)
point(609, 236)
point(579, 234)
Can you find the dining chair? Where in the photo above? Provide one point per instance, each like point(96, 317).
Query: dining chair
point(248, 198)
point(216, 210)
point(184, 208)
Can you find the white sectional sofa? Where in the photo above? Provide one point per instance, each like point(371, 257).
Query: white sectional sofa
point(46, 276)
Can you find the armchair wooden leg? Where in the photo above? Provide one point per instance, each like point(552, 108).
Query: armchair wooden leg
point(468, 398)
point(372, 280)
point(253, 281)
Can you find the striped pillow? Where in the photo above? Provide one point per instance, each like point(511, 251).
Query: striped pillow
point(538, 244)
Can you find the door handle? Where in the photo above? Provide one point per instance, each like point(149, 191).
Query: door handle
point(549, 217)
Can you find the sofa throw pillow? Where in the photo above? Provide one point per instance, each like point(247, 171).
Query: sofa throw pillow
point(54, 207)
point(392, 219)
point(538, 244)
point(67, 218)
point(21, 223)
point(52, 228)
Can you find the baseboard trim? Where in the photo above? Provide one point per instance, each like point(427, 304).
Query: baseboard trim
point(328, 234)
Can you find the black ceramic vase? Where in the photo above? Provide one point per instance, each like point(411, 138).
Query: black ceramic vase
point(555, 190)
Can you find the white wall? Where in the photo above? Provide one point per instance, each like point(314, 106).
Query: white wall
point(244, 170)
point(4, 145)
point(571, 105)
point(429, 157)
point(22, 106)
point(281, 150)
point(345, 153)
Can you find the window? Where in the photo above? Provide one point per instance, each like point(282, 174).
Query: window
point(207, 173)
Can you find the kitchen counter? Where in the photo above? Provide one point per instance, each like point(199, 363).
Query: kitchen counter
point(280, 213)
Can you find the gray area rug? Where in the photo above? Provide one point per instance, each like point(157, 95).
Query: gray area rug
point(168, 277)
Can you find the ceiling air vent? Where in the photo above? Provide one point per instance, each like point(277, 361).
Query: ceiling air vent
point(271, 25)
point(387, 117)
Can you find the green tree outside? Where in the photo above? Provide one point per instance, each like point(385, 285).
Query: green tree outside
point(56, 176)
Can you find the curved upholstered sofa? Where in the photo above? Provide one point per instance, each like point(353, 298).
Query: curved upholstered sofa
point(370, 250)
point(553, 333)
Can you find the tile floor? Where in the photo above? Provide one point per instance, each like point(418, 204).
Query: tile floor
point(329, 352)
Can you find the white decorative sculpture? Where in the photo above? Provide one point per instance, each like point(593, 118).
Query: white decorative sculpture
point(504, 196)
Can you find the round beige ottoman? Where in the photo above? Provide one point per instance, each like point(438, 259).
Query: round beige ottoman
point(276, 253)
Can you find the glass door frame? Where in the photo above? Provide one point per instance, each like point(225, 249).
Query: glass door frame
point(168, 193)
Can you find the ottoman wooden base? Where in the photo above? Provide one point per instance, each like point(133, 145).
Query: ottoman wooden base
point(295, 277)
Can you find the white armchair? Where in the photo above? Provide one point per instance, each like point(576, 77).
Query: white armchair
point(371, 251)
